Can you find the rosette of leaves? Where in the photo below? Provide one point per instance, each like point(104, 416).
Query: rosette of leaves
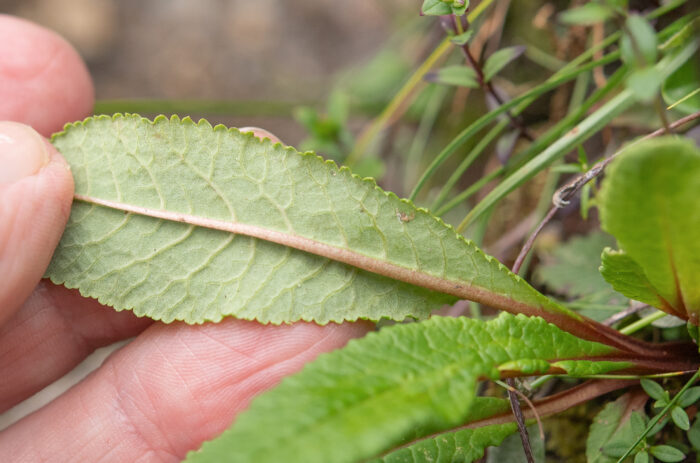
point(178, 220)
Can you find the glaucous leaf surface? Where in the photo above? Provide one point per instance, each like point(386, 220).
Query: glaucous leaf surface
point(649, 202)
point(391, 387)
point(177, 220)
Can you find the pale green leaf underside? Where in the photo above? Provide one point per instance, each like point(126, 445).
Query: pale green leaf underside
point(649, 202)
point(169, 270)
point(390, 387)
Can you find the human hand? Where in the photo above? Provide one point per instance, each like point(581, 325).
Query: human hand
point(164, 393)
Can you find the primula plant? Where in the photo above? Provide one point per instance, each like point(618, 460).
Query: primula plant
point(181, 221)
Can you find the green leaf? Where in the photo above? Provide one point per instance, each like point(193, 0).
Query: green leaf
point(689, 397)
point(654, 389)
point(649, 202)
point(685, 31)
point(435, 8)
point(694, 434)
point(501, 59)
point(462, 76)
point(462, 38)
point(641, 457)
point(571, 269)
point(666, 453)
point(680, 417)
point(462, 446)
point(612, 420)
point(401, 383)
point(638, 44)
point(628, 278)
point(645, 83)
point(586, 15)
point(680, 90)
point(272, 234)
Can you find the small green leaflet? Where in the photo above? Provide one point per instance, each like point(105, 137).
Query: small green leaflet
point(444, 7)
point(499, 60)
point(588, 14)
point(181, 221)
point(401, 383)
point(461, 76)
point(649, 202)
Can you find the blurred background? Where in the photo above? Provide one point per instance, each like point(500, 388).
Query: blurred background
point(268, 51)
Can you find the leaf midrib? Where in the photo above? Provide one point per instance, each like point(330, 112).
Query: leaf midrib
point(418, 278)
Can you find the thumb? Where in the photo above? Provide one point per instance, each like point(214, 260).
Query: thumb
point(36, 191)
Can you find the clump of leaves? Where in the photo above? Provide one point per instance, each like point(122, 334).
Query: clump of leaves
point(177, 220)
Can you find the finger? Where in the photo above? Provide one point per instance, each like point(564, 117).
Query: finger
point(168, 391)
point(54, 331)
point(260, 133)
point(36, 190)
point(44, 83)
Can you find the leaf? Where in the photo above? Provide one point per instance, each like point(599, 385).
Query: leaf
point(463, 38)
point(689, 397)
point(501, 59)
point(680, 89)
point(654, 389)
point(571, 268)
point(641, 457)
point(645, 83)
point(435, 8)
point(667, 453)
point(680, 417)
point(694, 434)
point(280, 236)
point(638, 44)
point(628, 278)
point(462, 446)
point(586, 15)
point(649, 202)
point(462, 76)
point(395, 385)
point(613, 418)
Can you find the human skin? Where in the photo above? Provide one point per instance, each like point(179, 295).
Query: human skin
point(171, 388)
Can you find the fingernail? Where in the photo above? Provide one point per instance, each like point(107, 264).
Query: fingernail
point(260, 133)
point(22, 151)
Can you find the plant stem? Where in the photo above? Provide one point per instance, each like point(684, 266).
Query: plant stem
point(658, 417)
point(581, 132)
point(643, 322)
point(520, 420)
point(525, 100)
point(369, 134)
point(563, 194)
point(487, 87)
point(385, 117)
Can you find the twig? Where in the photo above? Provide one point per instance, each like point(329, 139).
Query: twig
point(636, 307)
point(546, 407)
point(564, 194)
point(457, 28)
point(529, 404)
point(560, 199)
point(520, 420)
